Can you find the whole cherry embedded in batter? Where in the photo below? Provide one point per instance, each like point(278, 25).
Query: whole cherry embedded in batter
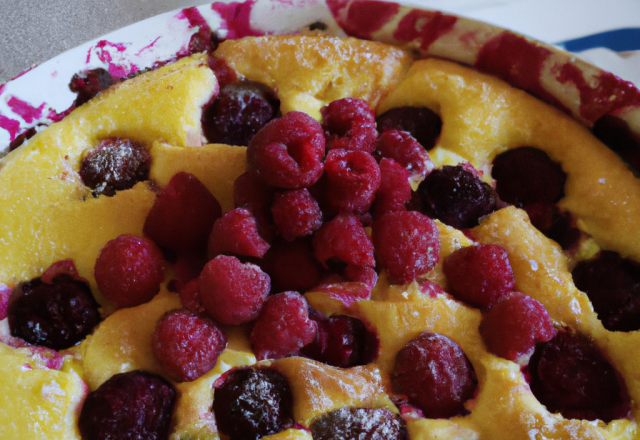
point(129, 270)
point(434, 373)
point(114, 165)
point(348, 423)
point(349, 124)
point(187, 345)
point(129, 405)
point(253, 403)
point(479, 275)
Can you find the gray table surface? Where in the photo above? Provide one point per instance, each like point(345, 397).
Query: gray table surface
point(32, 31)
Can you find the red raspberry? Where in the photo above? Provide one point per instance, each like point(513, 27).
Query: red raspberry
point(224, 73)
point(187, 268)
point(569, 375)
point(253, 194)
point(349, 423)
point(349, 124)
point(190, 297)
point(431, 289)
point(456, 196)
point(527, 174)
point(352, 179)
point(347, 292)
point(407, 244)
point(394, 191)
point(296, 213)
point(252, 404)
point(187, 345)
point(434, 373)
point(128, 270)
point(283, 327)
point(340, 341)
point(345, 240)
point(284, 255)
point(133, 405)
point(183, 214)
point(114, 165)
point(233, 293)
point(422, 123)
point(514, 325)
point(405, 150)
point(479, 275)
point(288, 152)
point(365, 275)
point(237, 233)
point(89, 84)
point(240, 110)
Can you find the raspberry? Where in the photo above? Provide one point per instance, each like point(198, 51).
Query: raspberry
point(187, 267)
point(431, 289)
point(187, 345)
point(183, 214)
point(114, 165)
point(456, 197)
point(434, 373)
point(240, 110)
point(251, 193)
point(133, 405)
point(394, 191)
point(340, 341)
point(352, 179)
point(358, 423)
point(569, 375)
point(527, 174)
point(422, 123)
point(89, 84)
point(347, 292)
point(612, 284)
point(283, 327)
point(296, 213)
point(407, 244)
point(479, 275)
point(287, 152)
point(251, 404)
point(128, 270)
point(224, 73)
point(56, 313)
point(233, 293)
point(190, 297)
point(284, 255)
point(514, 325)
point(349, 124)
point(365, 275)
point(236, 233)
point(345, 240)
point(405, 150)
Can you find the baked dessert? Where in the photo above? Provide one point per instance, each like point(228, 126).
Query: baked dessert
point(455, 259)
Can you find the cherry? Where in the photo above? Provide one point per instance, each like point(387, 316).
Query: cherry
point(349, 423)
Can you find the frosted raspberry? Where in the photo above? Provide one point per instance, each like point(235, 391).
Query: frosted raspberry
point(394, 191)
point(422, 123)
point(456, 197)
point(365, 275)
point(187, 345)
point(296, 213)
point(282, 256)
point(89, 84)
point(407, 244)
point(240, 110)
point(133, 405)
point(479, 275)
point(347, 292)
point(340, 341)
point(56, 314)
point(183, 214)
point(406, 151)
point(349, 124)
point(434, 373)
point(251, 193)
point(287, 152)
point(358, 423)
point(612, 284)
point(251, 404)
point(233, 293)
point(283, 327)
point(514, 325)
point(343, 239)
point(128, 270)
point(190, 297)
point(569, 375)
point(114, 165)
point(236, 233)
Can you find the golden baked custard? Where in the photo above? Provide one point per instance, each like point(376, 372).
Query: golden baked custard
point(456, 255)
